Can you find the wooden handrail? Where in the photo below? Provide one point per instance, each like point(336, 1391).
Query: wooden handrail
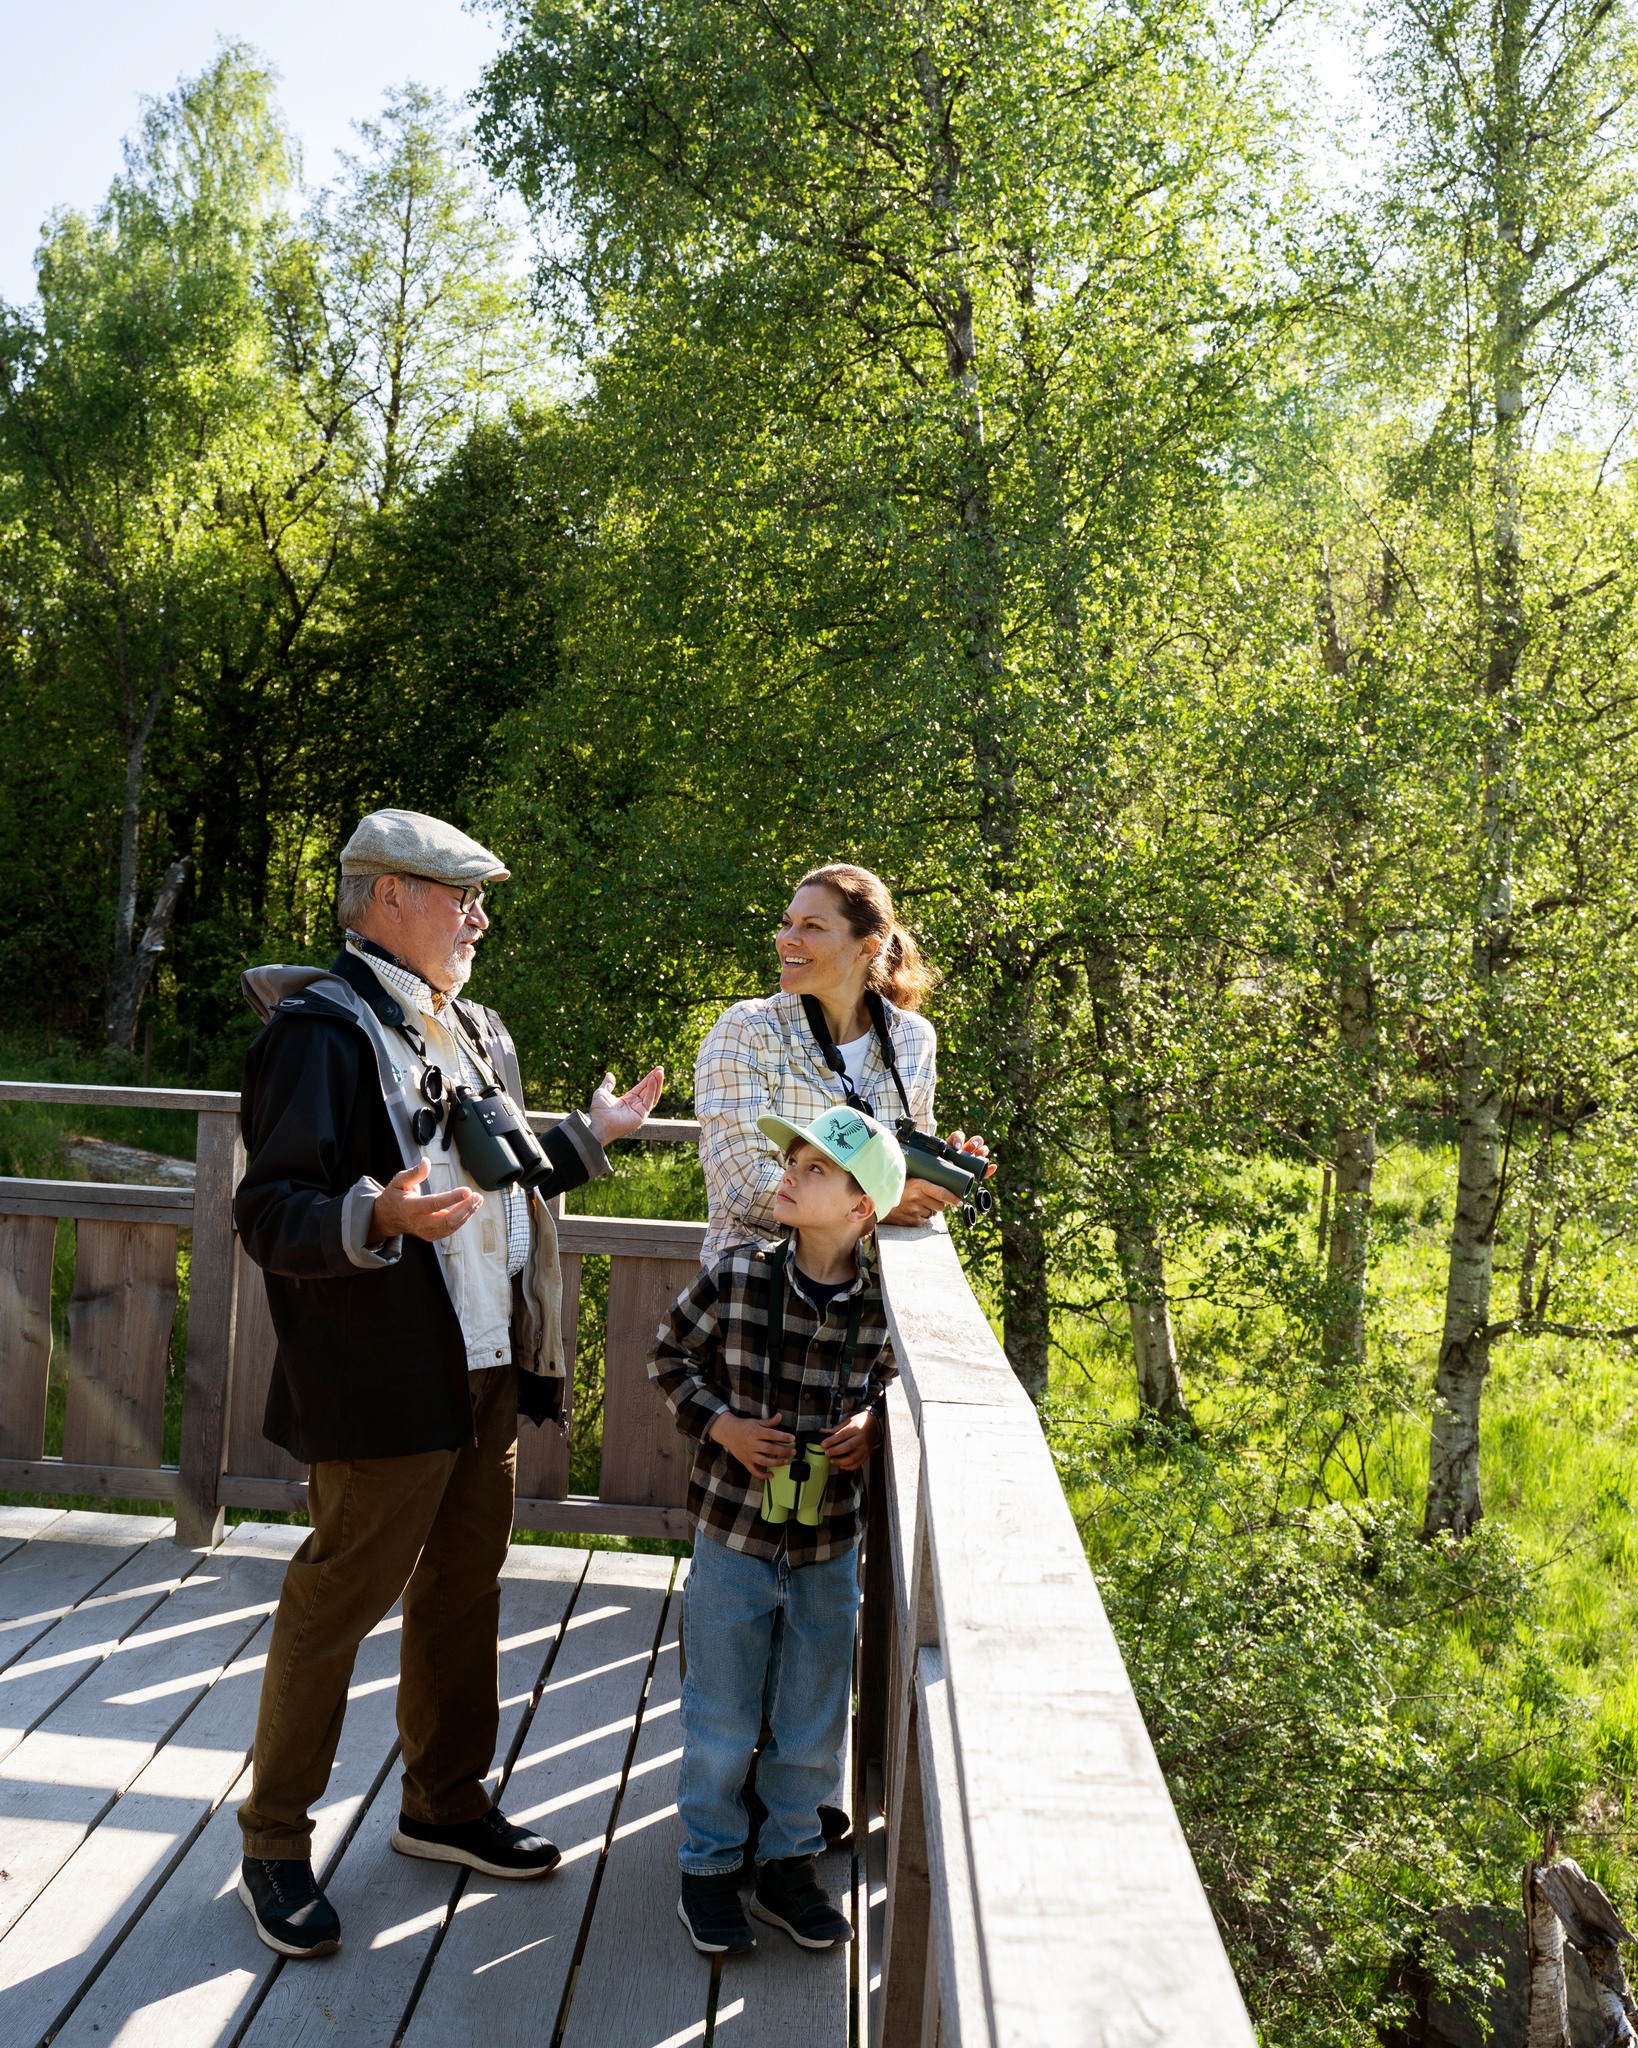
point(659, 1130)
point(1051, 1848)
point(661, 1251)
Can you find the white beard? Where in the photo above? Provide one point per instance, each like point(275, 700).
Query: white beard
point(458, 970)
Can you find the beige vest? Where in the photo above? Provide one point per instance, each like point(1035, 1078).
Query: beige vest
point(474, 1257)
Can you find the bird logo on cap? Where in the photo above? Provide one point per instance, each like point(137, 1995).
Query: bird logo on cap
point(842, 1129)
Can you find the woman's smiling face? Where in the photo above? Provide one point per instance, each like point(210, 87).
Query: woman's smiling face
point(818, 955)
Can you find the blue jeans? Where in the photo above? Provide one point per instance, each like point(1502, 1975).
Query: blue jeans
point(762, 1639)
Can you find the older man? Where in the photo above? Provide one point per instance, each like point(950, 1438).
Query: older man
point(415, 1315)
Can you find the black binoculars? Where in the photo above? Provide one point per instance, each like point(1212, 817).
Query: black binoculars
point(963, 1174)
point(494, 1143)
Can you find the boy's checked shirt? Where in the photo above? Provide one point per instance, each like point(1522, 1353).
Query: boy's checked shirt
point(711, 1355)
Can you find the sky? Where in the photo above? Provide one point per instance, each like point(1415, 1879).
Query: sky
point(76, 71)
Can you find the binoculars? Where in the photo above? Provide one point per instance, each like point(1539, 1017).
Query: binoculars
point(963, 1174)
point(494, 1143)
point(798, 1487)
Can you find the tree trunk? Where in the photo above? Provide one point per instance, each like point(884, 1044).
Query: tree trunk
point(1583, 1916)
point(128, 983)
point(1453, 1502)
point(1025, 1278)
point(1137, 1238)
point(1348, 1249)
point(1346, 1243)
point(1548, 2016)
point(1025, 1272)
point(129, 969)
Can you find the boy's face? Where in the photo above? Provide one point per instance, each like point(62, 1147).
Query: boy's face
point(817, 1194)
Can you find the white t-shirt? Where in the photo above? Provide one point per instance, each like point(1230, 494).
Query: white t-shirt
point(853, 1057)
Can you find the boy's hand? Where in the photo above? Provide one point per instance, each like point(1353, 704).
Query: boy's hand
point(758, 1446)
point(849, 1446)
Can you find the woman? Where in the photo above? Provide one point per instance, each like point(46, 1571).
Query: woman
point(849, 975)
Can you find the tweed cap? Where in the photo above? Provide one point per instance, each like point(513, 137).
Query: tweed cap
point(410, 843)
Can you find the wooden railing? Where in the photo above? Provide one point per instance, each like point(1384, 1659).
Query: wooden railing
point(123, 1305)
point(1038, 1889)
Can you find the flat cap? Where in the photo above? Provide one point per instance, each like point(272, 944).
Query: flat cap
point(410, 843)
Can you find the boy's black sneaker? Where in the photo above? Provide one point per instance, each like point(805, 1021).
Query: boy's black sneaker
point(788, 1895)
point(710, 1909)
point(291, 1914)
point(490, 1844)
point(835, 1826)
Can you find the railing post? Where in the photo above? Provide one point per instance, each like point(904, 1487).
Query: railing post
point(205, 1390)
point(876, 1617)
point(908, 1964)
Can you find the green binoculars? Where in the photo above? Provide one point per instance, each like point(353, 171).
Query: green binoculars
point(797, 1487)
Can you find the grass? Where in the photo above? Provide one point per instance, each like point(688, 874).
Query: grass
point(1559, 1465)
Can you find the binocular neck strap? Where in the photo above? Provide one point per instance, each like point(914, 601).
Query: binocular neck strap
point(776, 1332)
point(465, 1030)
point(831, 1053)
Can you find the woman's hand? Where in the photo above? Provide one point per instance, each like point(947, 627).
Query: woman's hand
point(850, 1446)
point(614, 1116)
point(758, 1446)
point(975, 1144)
point(921, 1201)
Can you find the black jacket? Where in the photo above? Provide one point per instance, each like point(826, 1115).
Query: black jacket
point(371, 1361)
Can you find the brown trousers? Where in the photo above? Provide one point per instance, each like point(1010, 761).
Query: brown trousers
point(433, 1527)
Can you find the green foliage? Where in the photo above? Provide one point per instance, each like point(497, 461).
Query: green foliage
point(1212, 610)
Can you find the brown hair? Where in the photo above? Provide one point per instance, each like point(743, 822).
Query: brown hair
point(898, 971)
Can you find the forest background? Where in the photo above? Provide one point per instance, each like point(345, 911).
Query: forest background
point(970, 442)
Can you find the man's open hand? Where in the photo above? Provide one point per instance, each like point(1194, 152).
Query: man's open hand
point(614, 1116)
point(758, 1446)
point(401, 1212)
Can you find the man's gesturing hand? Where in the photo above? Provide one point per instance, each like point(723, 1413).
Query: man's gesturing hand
point(614, 1116)
point(400, 1212)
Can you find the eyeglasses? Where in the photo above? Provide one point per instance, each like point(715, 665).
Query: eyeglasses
point(467, 897)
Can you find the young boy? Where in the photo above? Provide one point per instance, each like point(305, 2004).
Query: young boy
point(776, 1350)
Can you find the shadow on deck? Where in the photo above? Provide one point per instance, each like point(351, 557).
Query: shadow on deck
point(1022, 1846)
point(129, 1676)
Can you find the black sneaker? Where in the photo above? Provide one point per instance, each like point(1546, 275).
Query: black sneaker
point(835, 1826)
point(710, 1909)
point(291, 1914)
point(490, 1844)
point(788, 1895)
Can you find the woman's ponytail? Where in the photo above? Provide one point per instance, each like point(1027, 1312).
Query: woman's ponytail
point(898, 972)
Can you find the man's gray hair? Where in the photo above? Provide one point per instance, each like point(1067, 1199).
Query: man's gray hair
point(355, 893)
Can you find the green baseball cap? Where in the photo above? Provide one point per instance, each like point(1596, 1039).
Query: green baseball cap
point(856, 1143)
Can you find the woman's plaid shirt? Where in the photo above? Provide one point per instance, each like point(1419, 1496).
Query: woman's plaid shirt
point(711, 1355)
point(760, 1057)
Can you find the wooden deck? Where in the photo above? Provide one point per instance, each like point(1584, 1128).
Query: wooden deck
point(1021, 1845)
point(129, 1675)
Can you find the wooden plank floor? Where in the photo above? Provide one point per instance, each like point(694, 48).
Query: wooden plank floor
point(129, 1675)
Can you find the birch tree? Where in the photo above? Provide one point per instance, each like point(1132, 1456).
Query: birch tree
point(1513, 204)
point(134, 403)
point(425, 322)
point(915, 313)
